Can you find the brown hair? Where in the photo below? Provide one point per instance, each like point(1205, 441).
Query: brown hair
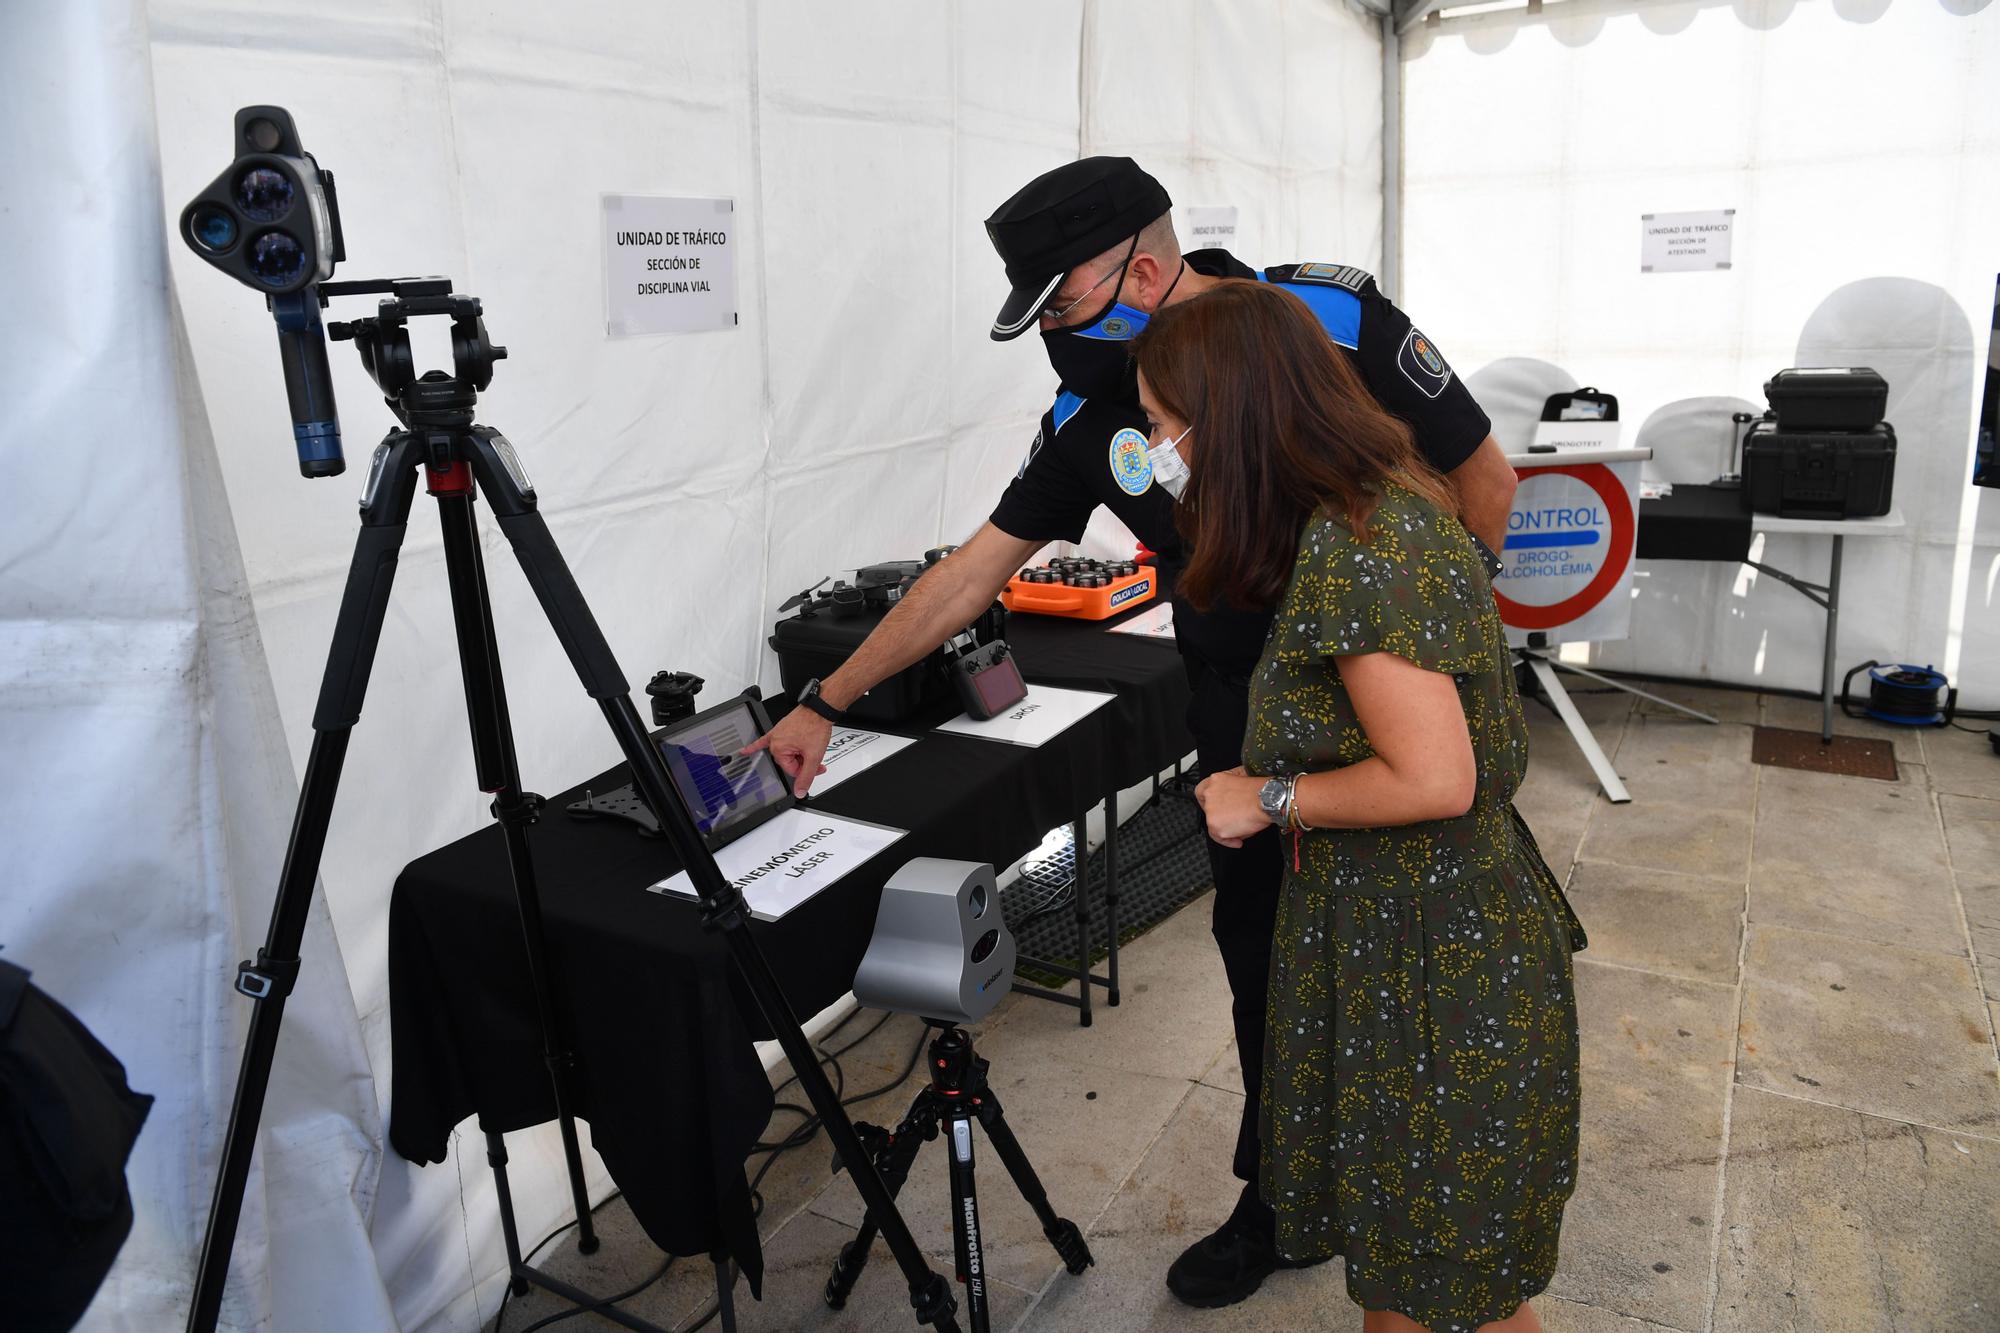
point(1282, 428)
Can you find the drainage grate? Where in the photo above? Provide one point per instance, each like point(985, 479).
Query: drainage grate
point(1848, 756)
point(1162, 866)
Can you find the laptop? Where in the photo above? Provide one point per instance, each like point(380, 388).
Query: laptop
point(726, 793)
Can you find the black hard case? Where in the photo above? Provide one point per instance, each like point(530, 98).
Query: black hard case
point(1819, 474)
point(1833, 398)
point(817, 640)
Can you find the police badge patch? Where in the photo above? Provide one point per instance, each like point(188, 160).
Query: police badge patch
point(1130, 467)
point(1422, 364)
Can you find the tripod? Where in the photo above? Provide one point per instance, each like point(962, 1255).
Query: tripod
point(958, 1094)
point(458, 460)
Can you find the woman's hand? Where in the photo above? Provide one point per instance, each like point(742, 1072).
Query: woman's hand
point(1229, 800)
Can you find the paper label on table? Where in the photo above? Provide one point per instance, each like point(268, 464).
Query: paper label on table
point(1571, 437)
point(780, 864)
point(1568, 553)
point(1686, 242)
point(1156, 623)
point(852, 751)
point(1655, 490)
point(1046, 713)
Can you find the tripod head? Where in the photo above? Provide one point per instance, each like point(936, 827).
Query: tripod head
point(433, 397)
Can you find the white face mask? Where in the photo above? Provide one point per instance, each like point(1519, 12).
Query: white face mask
point(1168, 468)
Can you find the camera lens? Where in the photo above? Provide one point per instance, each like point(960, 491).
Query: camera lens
point(264, 194)
point(276, 259)
point(212, 227)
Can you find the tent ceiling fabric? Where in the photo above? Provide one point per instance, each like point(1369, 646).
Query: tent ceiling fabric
point(1864, 235)
point(858, 412)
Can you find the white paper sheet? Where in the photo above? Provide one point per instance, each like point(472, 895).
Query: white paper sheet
point(852, 751)
point(780, 864)
point(1046, 713)
point(1154, 623)
point(1571, 437)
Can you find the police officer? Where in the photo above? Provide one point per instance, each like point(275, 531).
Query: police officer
point(1090, 252)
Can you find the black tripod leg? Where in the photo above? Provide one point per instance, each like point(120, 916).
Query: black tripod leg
point(510, 1231)
point(722, 904)
point(965, 1220)
point(500, 774)
point(893, 1162)
point(269, 979)
point(1062, 1233)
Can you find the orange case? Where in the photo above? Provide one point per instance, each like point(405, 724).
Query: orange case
point(1059, 599)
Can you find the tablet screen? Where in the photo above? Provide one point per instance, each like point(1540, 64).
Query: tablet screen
point(721, 788)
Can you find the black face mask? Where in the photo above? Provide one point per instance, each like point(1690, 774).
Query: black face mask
point(1095, 359)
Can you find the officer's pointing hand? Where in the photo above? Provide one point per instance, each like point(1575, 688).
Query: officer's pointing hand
point(798, 744)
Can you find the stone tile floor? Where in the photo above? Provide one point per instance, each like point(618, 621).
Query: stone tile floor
point(1791, 1091)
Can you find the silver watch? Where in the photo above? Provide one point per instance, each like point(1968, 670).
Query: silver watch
point(1272, 797)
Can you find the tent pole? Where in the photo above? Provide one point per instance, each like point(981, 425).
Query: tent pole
point(1390, 280)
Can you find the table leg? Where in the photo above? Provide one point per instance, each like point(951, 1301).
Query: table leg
point(1081, 832)
point(1111, 889)
point(1832, 639)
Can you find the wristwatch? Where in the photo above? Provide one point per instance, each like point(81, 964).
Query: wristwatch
point(810, 697)
point(1272, 798)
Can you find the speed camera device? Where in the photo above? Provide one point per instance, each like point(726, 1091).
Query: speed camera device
point(271, 221)
point(940, 950)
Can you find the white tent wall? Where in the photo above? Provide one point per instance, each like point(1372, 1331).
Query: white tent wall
point(858, 412)
point(1860, 145)
point(147, 791)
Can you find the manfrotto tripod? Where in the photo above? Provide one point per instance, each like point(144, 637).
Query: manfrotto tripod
point(958, 1094)
point(459, 461)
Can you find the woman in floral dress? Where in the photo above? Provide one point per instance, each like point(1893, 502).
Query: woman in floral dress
point(1420, 1095)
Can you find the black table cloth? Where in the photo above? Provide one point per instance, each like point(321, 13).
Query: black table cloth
point(659, 1021)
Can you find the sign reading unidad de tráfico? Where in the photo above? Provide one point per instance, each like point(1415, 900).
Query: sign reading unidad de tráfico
point(1686, 242)
point(669, 264)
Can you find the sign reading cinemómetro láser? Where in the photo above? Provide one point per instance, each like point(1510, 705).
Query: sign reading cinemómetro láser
point(669, 264)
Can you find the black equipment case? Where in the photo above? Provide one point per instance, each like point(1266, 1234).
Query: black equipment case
point(1827, 398)
point(1819, 474)
point(828, 626)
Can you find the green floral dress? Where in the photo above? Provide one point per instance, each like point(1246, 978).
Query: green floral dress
point(1420, 1072)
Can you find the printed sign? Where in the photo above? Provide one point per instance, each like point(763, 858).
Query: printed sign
point(1568, 554)
point(669, 265)
point(1210, 228)
point(1685, 242)
point(1154, 623)
point(1573, 437)
point(1046, 713)
point(852, 751)
point(781, 863)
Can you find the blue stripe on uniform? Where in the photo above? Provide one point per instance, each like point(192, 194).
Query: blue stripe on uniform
point(1337, 309)
point(1067, 406)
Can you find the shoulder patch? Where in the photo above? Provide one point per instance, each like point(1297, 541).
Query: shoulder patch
point(1033, 449)
point(1130, 467)
point(1067, 405)
point(1422, 364)
point(1332, 275)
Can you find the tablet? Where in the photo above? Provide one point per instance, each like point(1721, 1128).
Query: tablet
point(726, 793)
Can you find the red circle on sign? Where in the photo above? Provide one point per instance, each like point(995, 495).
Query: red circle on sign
point(1521, 615)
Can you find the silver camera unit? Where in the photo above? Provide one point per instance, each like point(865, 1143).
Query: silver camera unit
point(940, 948)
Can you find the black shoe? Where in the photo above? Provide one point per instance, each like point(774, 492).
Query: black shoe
point(1227, 1266)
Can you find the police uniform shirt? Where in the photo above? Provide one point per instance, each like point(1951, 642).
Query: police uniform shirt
point(1092, 452)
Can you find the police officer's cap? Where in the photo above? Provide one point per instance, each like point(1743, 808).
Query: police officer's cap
point(1060, 219)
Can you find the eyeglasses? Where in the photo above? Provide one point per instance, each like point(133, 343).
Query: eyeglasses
point(1056, 316)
